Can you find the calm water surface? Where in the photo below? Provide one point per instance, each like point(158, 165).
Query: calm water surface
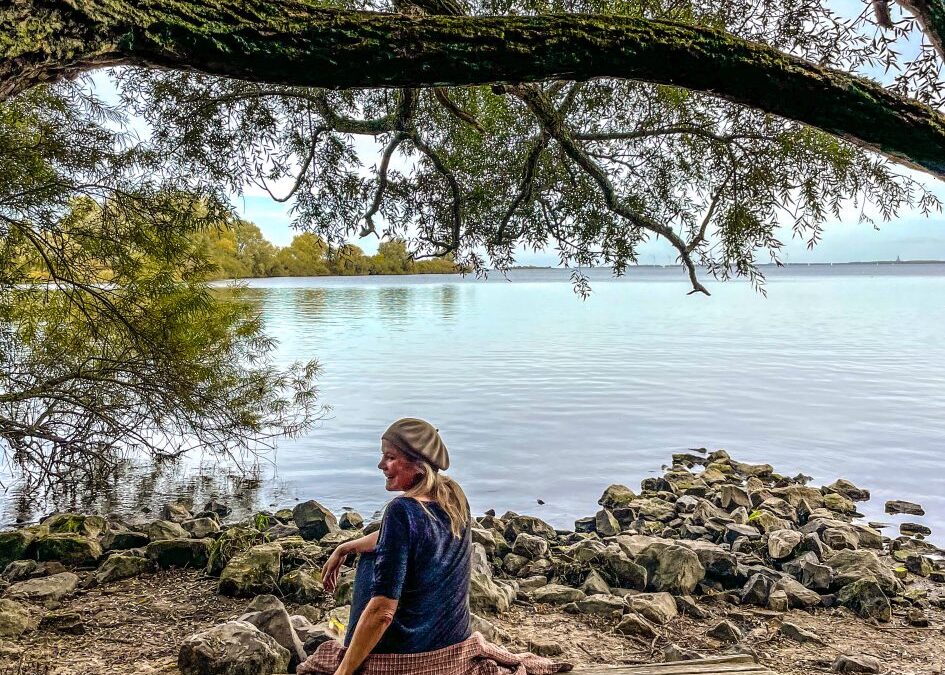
point(540, 395)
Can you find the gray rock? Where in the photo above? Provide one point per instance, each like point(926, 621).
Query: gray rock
point(718, 563)
point(351, 520)
point(733, 531)
point(733, 496)
point(916, 617)
point(274, 621)
point(516, 525)
point(850, 566)
point(122, 566)
point(124, 539)
point(217, 507)
point(252, 572)
point(585, 525)
point(867, 599)
point(849, 490)
point(537, 581)
point(616, 496)
point(908, 508)
point(673, 653)
point(479, 625)
point(595, 583)
point(546, 648)
point(622, 571)
point(636, 625)
point(911, 529)
point(660, 608)
point(281, 531)
point(757, 590)
point(485, 538)
point(301, 586)
point(45, 589)
point(809, 572)
point(766, 521)
point(867, 537)
point(686, 604)
point(70, 549)
point(314, 520)
point(859, 663)
point(162, 530)
point(529, 546)
point(779, 507)
point(177, 511)
point(781, 543)
point(556, 594)
point(797, 594)
point(513, 563)
point(841, 537)
point(672, 568)
point(839, 503)
point(200, 528)
point(179, 552)
point(605, 524)
point(601, 604)
point(725, 631)
point(488, 597)
point(16, 619)
point(19, 570)
point(794, 632)
point(778, 601)
point(232, 648)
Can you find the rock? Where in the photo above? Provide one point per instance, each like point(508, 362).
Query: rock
point(733, 496)
point(622, 571)
point(594, 584)
point(121, 566)
point(725, 631)
point(351, 520)
point(916, 617)
point(480, 625)
point(230, 542)
point(839, 503)
point(911, 529)
point(232, 648)
point(673, 653)
point(733, 531)
point(636, 625)
point(531, 583)
point(686, 604)
point(867, 537)
point(201, 528)
point(672, 568)
point(13, 545)
point(601, 604)
point(513, 563)
point(269, 615)
point(179, 552)
point(605, 524)
point(217, 507)
point(842, 537)
point(908, 508)
point(585, 525)
point(314, 520)
point(778, 601)
point(49, 589)
point(779, 507)
point(177, 511)
point(19, 570)
point(766, 521)
point(302, 586)
point(918, 565)
point(485, 538)
point(304, 628)
point(796, 494)
point(63, 621)
point(794, 632)
point(781, 543)
point(556, 594)
point(849, 490)
point(546, 648)
point(516, 525)
point(488, 597)
point(16, 619)
point(850, 566)
point(797, 594)
point(867, 599)
point(812, 543)
point(660, 608)
point(252, 572)
point(616, 496)
point(529, 546)
point(75, 523)
point(70, 549)
point(859, 663)
point(718, 563)
point(757, 590)
point(162, 530)
point(123, 540)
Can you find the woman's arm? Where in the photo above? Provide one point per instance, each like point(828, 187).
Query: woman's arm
point(332, 568)
point(375, 619)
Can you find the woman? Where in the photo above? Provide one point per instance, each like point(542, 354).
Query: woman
point(411, 592)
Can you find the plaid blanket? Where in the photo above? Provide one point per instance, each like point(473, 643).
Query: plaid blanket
point(473, 656)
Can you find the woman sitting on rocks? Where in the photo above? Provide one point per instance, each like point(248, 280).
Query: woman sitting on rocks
point(411, 588)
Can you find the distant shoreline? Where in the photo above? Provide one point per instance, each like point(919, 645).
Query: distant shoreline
point(808, 264)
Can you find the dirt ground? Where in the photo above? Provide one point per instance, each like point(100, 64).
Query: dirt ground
point(137, 625)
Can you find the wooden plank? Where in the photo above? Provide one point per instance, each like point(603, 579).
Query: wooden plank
point(741, 664)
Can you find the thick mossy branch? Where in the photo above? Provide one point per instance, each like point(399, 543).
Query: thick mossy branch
point(299, 43)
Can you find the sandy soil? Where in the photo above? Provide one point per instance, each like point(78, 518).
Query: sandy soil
point(137, 626)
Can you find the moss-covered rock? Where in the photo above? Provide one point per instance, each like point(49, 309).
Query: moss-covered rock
point(124, 539)
point(69, 549)
point(302, 585)
point(75, 523)
point(867, 599)
point(179, 552)
point(122, 566)
point(314, 520)
point(14, 544)
point(231, 542)
point(253, 572)
point(16, 619)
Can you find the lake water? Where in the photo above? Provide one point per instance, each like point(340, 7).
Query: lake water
point(540, 395)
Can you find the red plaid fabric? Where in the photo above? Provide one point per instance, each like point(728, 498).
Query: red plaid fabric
point(473, 656)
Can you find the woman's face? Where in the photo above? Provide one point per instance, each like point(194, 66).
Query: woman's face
point(400, 470)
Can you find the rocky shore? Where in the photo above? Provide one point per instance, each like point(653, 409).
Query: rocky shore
point(715, 555)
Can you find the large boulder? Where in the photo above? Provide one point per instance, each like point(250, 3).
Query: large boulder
point(252, 572)
point(269, 615)
point(44, 590)
point(351, 520)
point(616, 496)
point(314, 520)
point(16, 619)
point(232, 541)
point(659, 608)
point(605, 524)
point(620, 571)
point(486, 596)
point(161, 530)
point(69, 549)
point(13, 545)
point(866, 598)
point(75, 523)
point(674, 569)
point(719, 563)
point(600, 604)
point(798, 595)
point(122, 566)
point(179, 552)
point(529, 546)
point(848, 490)
point(516, 525)
point(302, 586)
point(809, 572)
point(851, 566)
point(232, 648)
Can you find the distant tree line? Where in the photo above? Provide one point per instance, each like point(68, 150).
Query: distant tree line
point(238, 250)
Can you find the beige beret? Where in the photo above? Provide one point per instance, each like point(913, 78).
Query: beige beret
point(420, 439)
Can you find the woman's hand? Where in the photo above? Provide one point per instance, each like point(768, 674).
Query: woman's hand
point(332, 568)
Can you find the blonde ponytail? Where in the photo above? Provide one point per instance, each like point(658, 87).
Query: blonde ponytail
point(444, 491)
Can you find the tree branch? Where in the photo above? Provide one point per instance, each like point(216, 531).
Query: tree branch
point(296, 42)
point(368, 227)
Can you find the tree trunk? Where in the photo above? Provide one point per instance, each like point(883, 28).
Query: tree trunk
point(293, 42)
